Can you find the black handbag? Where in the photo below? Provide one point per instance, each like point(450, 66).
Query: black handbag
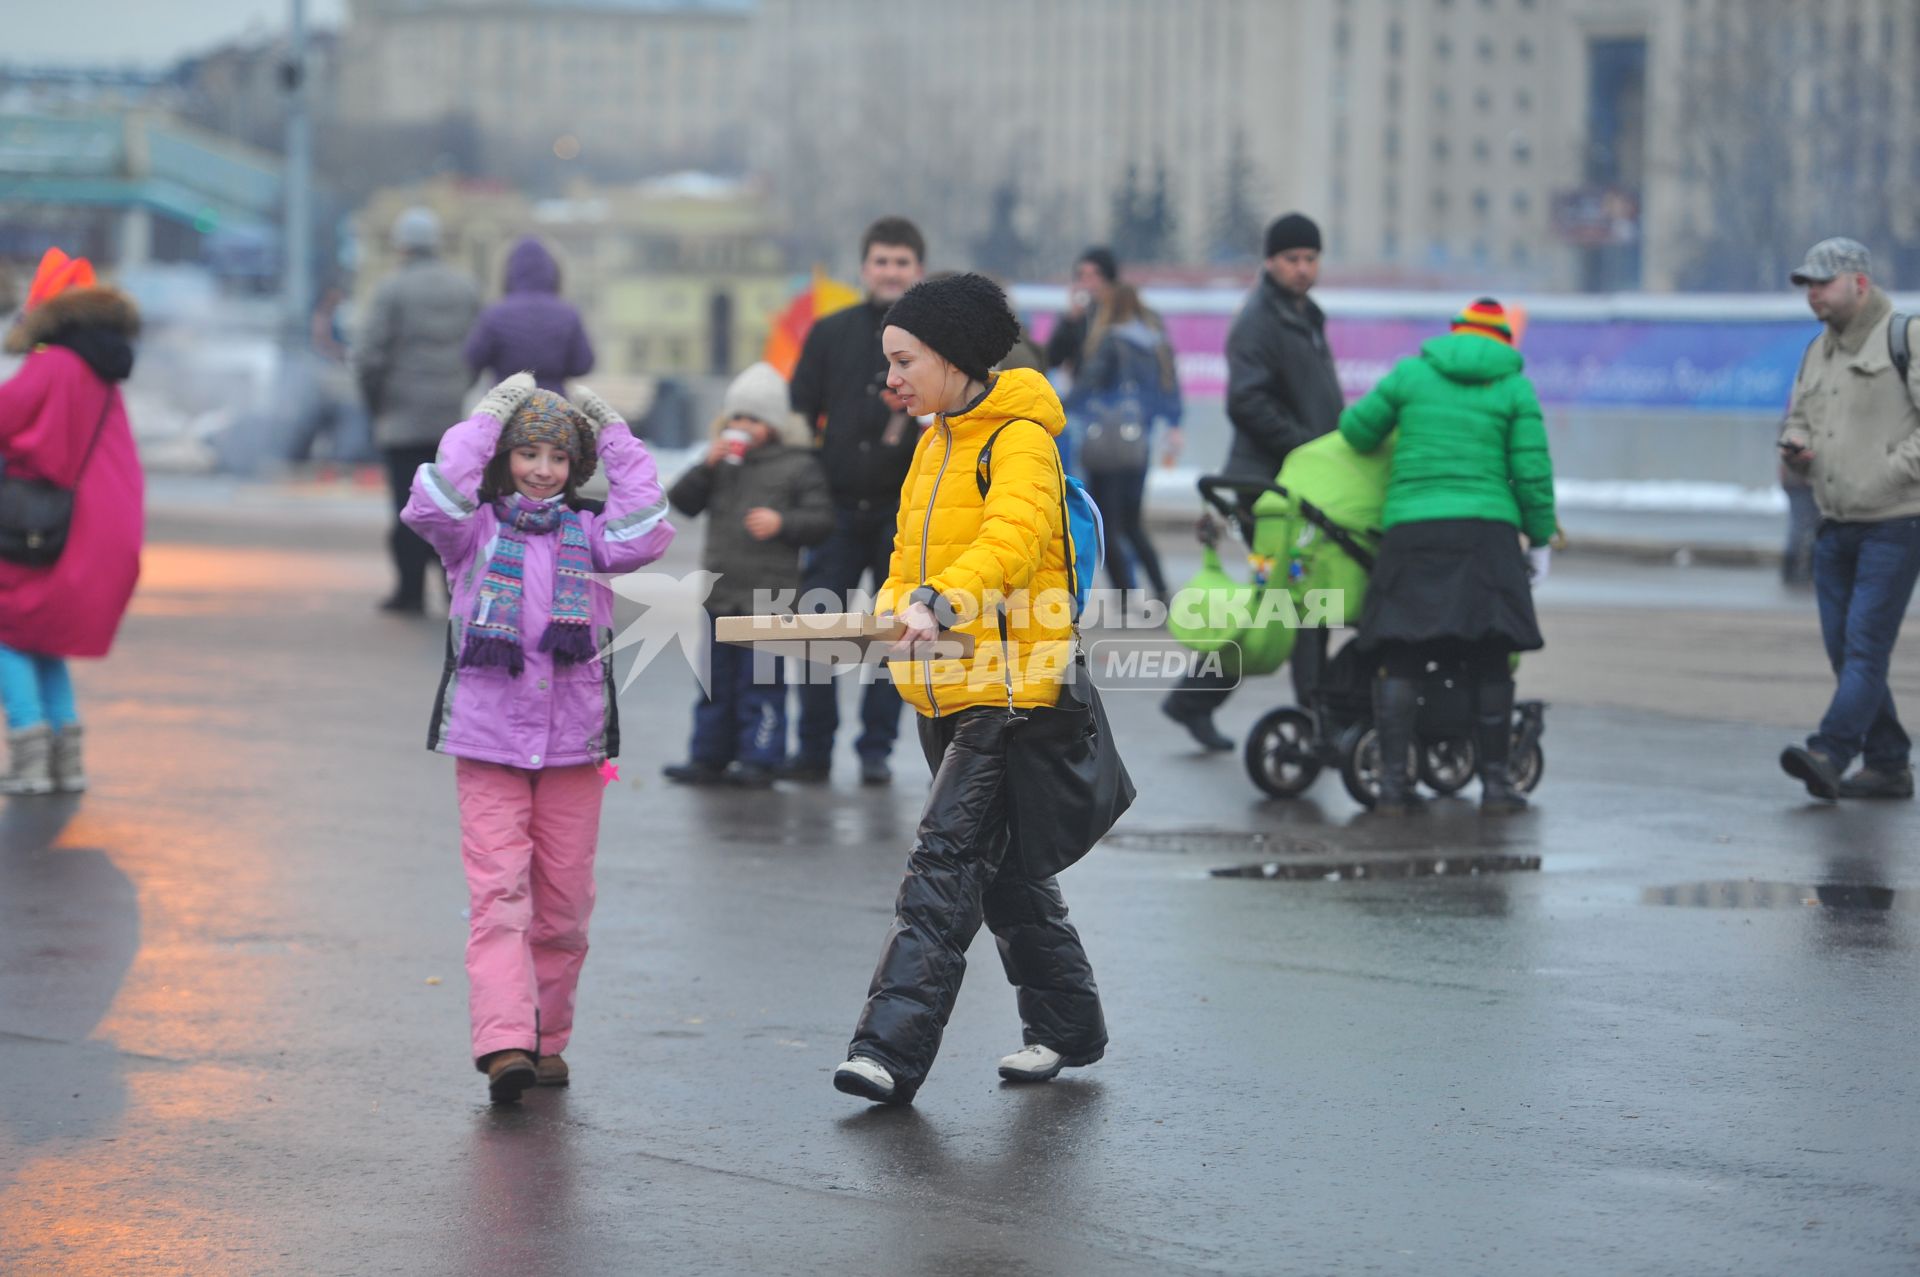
point(1117, 439)
point(1066, 782)
point(35, 515)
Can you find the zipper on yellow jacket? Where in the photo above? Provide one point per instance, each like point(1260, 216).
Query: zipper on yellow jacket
point(926, 526)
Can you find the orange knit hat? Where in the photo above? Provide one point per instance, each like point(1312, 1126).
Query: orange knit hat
point(56, 275)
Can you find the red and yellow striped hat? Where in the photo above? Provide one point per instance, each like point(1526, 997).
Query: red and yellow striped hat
point(1485, 317)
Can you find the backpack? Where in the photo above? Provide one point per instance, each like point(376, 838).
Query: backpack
point(1086, 530)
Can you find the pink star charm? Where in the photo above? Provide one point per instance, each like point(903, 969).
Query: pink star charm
point(609, 772)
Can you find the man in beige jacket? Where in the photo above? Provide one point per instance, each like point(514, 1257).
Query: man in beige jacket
point(1854, 429)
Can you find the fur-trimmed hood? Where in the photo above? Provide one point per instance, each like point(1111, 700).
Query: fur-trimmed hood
point(97, 307)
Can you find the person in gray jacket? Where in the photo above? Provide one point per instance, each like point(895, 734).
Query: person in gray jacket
point(1282, 391)
point(414, 377)
point(1854, 429)
point(765, 496)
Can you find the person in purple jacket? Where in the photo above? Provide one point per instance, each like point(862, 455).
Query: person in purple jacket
point(532, 327)
point(526, 702)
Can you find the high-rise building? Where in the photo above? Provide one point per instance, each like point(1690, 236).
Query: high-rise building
point(1436, 141)
point(614, 88)
point(1009, 129)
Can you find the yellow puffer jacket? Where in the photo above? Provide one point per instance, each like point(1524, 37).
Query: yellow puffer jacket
point(982, 553)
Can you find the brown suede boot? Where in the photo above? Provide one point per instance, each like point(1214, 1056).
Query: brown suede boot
point(552, 1070)
point(508, 1074)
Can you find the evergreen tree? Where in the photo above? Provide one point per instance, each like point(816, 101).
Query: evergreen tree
point(1237, 224)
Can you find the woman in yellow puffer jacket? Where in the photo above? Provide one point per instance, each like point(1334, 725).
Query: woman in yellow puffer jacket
point(977, 545)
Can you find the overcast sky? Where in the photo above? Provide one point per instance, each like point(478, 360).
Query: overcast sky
point(145, 33)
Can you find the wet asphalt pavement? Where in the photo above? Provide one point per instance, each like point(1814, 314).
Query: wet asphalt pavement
point(232, 1010)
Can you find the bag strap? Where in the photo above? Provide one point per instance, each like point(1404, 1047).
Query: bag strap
point(98, 428)
point(1337, 534)
point(1897, 343)
point(983, 479)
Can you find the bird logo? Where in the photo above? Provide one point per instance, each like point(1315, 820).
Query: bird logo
point(672, 610)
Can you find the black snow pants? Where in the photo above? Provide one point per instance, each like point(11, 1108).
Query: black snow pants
point(954, 883)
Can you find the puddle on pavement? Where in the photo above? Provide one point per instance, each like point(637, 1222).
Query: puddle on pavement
point(1379, 868)
point(1213, 843)
point(1285, 858)
point(1752, 894)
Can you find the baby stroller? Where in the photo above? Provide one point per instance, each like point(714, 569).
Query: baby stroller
point(1312, 535)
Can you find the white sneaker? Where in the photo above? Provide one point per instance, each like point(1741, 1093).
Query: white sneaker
point(1032, 1063)
point(865, 1078)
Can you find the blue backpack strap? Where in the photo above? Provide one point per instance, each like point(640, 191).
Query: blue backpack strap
point(983, 478)
point(983, 464)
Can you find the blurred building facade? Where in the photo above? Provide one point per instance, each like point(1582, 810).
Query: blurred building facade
point(133, 187)
point(1008, 129)
point(1590, 145)
point(608, 88)
point(1778, 123)
point(678, 276)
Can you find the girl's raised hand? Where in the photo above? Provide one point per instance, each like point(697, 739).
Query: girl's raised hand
point(593, 407)
point(503, 399)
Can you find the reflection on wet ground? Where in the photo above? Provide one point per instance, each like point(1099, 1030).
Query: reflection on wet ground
point(1751, 894)
point(1368, 847)
point(234, 1028)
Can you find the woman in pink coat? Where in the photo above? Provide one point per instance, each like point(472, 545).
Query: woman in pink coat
point(62, 420)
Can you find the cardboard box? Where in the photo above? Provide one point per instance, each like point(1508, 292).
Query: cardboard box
point(833, 631)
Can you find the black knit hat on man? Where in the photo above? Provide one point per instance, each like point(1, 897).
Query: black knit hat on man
point(965, 319)
point(1292, 230)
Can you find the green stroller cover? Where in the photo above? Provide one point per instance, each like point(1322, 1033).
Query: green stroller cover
point(1349, 488)
point(1216, 613)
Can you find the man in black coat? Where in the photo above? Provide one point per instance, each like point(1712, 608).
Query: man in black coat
point(1282, 391)
point(866, 446)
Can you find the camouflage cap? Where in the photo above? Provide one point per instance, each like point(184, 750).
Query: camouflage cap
point(1833, 257)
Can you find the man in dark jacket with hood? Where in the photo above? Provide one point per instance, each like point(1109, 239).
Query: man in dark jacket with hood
point(866, 445)
point(1282, 391)
point(532, 328)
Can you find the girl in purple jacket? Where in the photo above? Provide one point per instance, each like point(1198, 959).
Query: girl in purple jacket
point(526, 703)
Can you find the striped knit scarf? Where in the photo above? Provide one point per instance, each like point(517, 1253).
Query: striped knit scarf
point(493, 632)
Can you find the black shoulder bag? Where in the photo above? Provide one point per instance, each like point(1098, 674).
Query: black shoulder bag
point(35, 515)
point(1066, 783)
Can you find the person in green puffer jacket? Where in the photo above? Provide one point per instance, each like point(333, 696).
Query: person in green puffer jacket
point(1470, 476)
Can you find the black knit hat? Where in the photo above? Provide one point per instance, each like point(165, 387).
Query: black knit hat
point(1294, 230)
point(1102, 259)
point(965, 319)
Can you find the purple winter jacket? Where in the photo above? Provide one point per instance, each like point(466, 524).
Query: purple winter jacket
point(548, 716)
point(531, 329)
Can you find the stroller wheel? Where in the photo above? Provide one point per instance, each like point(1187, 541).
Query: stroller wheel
point(1360, 763)
point(1447, 765)
point(1526, 768)
point(1280, 753)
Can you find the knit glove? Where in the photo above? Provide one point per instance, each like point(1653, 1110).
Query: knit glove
point(503, 399)
point(594, 408)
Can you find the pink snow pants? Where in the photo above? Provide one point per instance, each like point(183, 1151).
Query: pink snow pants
point(527, 839)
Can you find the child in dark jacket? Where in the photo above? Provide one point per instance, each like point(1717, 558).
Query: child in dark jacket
point(765, 497)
